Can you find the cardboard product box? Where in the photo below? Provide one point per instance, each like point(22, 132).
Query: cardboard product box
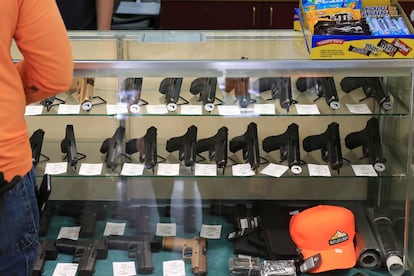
point(359, 46)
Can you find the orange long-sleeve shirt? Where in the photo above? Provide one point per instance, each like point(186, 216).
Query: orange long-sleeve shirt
point(45, 70)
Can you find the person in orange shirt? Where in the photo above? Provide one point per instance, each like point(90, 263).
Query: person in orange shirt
point(46, 69)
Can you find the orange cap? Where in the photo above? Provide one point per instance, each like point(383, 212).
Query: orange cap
point(328, 230)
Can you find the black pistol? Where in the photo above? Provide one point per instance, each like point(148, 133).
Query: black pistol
point(323, 87)
point(146, 146)
point(131, 94)
point(171, 88)
point(68, 146)
point(186, 146)
point(249, 144)
point(113, 148)
point(372, 87)
point(370, 140)
point(216, 147)
point(206, 89)
point(329, 143)
point(288, 144)
point(280, 88)
point(36, 143)
point(48, 251)
point(46, 209)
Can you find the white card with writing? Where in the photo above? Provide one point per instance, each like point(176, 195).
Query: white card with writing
point(56, 168)
point(168, 169)
point(319, 170)
point(114, 228)
point(205, 169)
point(131, 169)
point(210, 231)
point(173, 268)
point(364, 170)
point(124, 268)
point(69, 109)
point(90, 169)
point(65, 269)
point(166, 229)
point(274, 170)
point(242, 170)
point(33, 110)
point(306, 109)
point(67, 232)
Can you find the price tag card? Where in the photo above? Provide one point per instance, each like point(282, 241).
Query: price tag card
point(364, 170)
point(210, 231)
point(229, 110)
point(358, 108)
point(69, 232)
point(242, 170)
point(65, 269)
point(173, 268)
point(205, 169)
point(274, 170)
point(307, 109)
point(264, 109)
point(156, 109)
point(166, 229)
point(168, 169)
point(131, 169)
point(120, 108)
point(56, 168)
point(113, 228)
point(69, 109)
point(124, 268)
point(33, 110)
point(191, 109)
point(90, 169)
point(319, 170)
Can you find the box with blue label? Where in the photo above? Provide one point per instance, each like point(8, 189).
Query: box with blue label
point(355, 29)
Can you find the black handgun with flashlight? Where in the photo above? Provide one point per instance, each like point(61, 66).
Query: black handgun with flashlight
point(113, 148)
point(288, 144)
point(370, 140)
point(216, 146)
point(323, 87)
point(146, 146)
point(329, 143)
point(280, 88)
point(372, 87)
point(206, 89)
point(186, 146)
point(249, 144)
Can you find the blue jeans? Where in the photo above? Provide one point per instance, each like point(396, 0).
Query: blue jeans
point(19, 227)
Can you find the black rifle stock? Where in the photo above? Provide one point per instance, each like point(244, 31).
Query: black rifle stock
point(113, 147)
point(68, 146)
point(330, 145)
point(171, 88)
point(288, 144)
point(36, 143)
point(323, 87)
point(372, 87)
point(46, 209)
point(48, 251)
point(186, 146)
point(85, 253)
point(146, 146)
point(280, 88)
point(131, 93)
point(370, 140)
point(206, 88)
point(241, 90)
point(216, 147)
point(249, 144)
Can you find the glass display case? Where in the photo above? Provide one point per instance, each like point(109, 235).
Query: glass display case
point(217, 137)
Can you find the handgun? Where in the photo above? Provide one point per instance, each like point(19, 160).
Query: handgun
point(146, 146)
point(241, 90)
point(85, 253)
point(46, 208)
point(249, 144)
point(83, 88)
point(323, 87)
point(131, 94)
point(186, 146)
point(171, 88)
point(280, 88)
point(48, 251)
point(86, 213)
point(329, 143)
point(36, 143)
point(372, 87)
point(288, 144)
point(194, 250)
point(206, 88)
point(68, 146)
point(216, 146)
point(370, 140)
point(113, 147)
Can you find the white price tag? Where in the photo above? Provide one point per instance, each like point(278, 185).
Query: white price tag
point(90, 169)
point(307, 109)
point(120, 108)
point(210, 231)
point(156, 109)
point(364, 170)
point(229, 110)
point(190, 109)
point(130, 169)
point(56, 168)
point(69, 233)
point(65, 269)
point(319, 170)
point(124, 268)
point(242, 170)
point(168, 169)
point(166, 229)
point(358, 108)
point(33, 110)
point(274, 170)
point(69, 109)
point(173, 268)
point(205, 169)
point(264, 109)
point(113, 228)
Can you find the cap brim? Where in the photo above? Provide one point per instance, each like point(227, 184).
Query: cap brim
point(338, 258)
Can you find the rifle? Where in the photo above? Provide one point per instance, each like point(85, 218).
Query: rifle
point(87, 214)
point(84, 89)
point(171, 88)
point(194, 250)
point(48, 251)
point(329, 143)
point(113, 148)
point(206, 88)
point(372, 87)
point(323, 87)
point(36, 143)
point(146, 146)
point(186, 146)
point(288, 144)
point(249, 144)
point(46, 209)
point(68, 146)
point(216, 146)
point(131, 93)
point(85, 253)
point(370, 140)
point(280, 88)
point(241, 90)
